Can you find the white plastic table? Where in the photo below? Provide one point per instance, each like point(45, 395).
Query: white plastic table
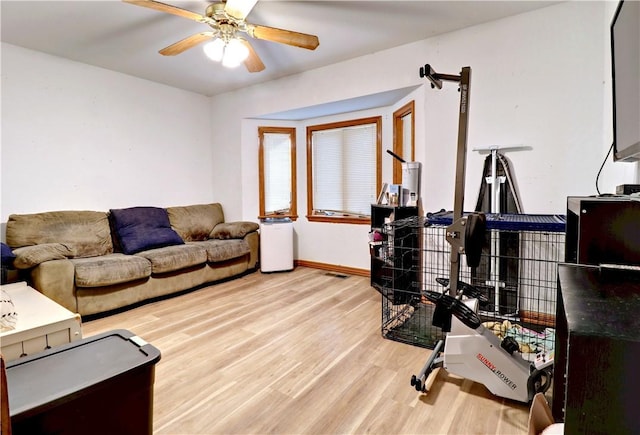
point(41, 323)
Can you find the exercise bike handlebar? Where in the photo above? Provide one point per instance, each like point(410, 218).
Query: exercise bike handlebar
point(454, 306)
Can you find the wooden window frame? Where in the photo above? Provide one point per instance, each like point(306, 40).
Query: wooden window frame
point(398, 138)
point(346, 218)
point(293, 211)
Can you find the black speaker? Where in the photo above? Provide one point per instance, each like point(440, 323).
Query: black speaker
point(627, 189)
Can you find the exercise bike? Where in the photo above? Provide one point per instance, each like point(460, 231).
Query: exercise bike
point(474, 352)
point(469, 349)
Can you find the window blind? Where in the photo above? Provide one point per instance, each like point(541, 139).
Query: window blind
point(344, 169)
point(277, 172)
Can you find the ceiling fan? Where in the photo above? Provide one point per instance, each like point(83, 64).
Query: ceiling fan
point(227, 21)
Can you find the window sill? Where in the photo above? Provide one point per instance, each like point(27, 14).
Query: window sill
point(344, 219)
point(293, 217)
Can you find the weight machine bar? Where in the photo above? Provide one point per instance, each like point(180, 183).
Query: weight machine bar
point(458, 201)
point(464, 80)
point(436, 78)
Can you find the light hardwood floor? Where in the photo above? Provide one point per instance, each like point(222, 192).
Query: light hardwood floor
point(297, 353)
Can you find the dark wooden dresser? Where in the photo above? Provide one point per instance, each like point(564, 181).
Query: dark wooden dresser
point(597, 355)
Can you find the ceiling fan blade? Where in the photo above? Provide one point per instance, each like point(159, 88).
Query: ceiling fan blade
point(186, 43)
point(302, 40)
point(253, 63)
point(239, 8)
point(151, 4)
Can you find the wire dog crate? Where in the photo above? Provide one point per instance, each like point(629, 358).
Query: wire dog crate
point(517, 272)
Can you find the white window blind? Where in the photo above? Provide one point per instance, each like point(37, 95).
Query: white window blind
point(344, 169)
point(277, 172)
point(406, 137)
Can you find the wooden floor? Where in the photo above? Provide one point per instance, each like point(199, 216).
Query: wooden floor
point(297, 353)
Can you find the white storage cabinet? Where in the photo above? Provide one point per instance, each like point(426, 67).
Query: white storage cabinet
point(276, 245)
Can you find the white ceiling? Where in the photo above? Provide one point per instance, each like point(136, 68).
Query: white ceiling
point(126, 38)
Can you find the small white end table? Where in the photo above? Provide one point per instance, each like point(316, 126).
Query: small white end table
point(41, 323)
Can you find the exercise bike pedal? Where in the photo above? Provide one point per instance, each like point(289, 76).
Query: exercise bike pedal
point(417, 383)
point(414, 380)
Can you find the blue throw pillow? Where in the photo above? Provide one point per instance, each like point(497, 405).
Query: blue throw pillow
point(142, 228)
point(7, 256)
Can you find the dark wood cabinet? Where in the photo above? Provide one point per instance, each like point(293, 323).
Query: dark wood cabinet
point(393, 265)
point(603, 230)
point(597, 356)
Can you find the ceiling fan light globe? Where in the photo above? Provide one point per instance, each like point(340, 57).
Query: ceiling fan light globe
point(235, 52)
point(228, 62)
point(215, 49)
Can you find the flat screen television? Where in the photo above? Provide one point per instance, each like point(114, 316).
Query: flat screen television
point(625, 70)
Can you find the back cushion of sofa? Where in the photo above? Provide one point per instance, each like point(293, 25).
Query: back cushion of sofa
point(142, 228)
point(195, 222)
point(84, 233)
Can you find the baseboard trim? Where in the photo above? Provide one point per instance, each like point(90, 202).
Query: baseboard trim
point(332, 268)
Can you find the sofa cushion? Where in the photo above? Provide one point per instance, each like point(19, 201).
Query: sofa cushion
point(221, 250)
point(85, 233)
point(30, 256)
point(142, 228)
point(195, 222)
point(172, 258)
point(233, 230)
point(110, 269)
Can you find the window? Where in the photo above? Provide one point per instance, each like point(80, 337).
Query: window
point(403, 138)
point(277, 172)
point(343, 170)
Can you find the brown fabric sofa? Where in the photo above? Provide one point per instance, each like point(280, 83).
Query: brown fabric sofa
point(92, 261)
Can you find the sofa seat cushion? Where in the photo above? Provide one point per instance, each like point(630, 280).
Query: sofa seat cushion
point(221, 250)
point(172, 258)
point(195, 222)
point(110, 269)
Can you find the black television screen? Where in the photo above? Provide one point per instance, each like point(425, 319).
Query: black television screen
point(625, 70)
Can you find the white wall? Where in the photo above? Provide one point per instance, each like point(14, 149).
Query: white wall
point(80, 137)
point(538, 79)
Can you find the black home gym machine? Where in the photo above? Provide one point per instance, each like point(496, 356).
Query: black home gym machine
point(470, 350)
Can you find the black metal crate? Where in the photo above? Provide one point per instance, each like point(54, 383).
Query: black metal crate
point(406, 314)
point(517, 271)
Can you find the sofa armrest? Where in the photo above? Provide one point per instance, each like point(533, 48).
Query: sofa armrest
point(55, 280)
point(233, 230)
point(253, 239)
point(31, 256)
